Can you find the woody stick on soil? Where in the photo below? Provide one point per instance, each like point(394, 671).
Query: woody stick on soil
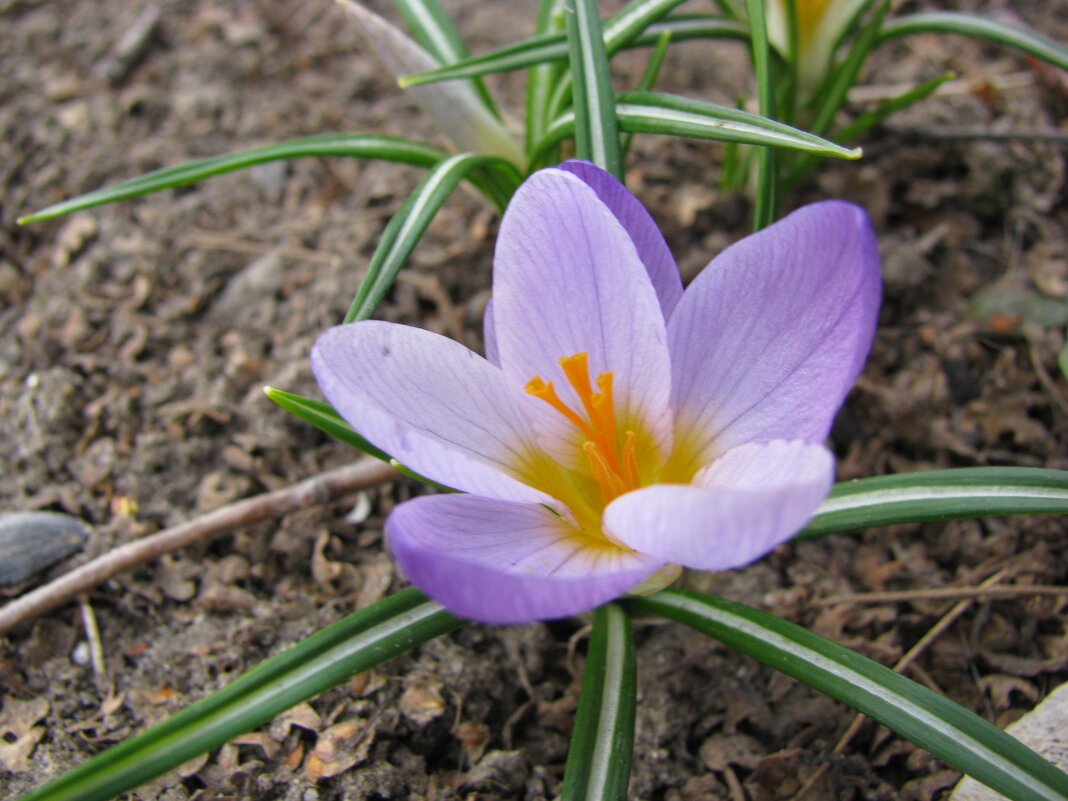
point(313, 491)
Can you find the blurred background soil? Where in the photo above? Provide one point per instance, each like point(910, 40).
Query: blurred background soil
point(135, 338)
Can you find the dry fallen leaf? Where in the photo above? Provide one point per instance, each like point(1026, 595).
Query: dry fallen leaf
point(301, 715)
point(721, 750)
point(18, 734)
point(474, 736)
point(339, 748)
point(422, 701)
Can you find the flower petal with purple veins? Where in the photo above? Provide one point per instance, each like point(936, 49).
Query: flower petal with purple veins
point(429, 402)
point(638, 222)
point(489, 335)
point(753, 498)
point(502, 562)
point(568, 279)
point(770, 337)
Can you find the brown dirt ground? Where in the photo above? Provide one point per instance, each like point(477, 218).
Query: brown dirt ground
point(134, 340)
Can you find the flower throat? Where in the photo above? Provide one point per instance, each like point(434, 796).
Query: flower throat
point(613, 467)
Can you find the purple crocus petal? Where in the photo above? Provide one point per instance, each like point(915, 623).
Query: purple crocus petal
point(501, 562)
point(770, 337)
point(429, 402)
point(567, 279)
point(753, 498)
point(633, 216)
point(489, 335)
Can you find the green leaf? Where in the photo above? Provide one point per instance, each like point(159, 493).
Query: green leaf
point(388, 148)
point(324, 417)
point(432, 27)
point(661, 113)
point(979, 27)
point(456, 108)
point(323, 660)
point(940, 495)
point(866, 121)
point(596, 128)
point(932, 721)
point(407, 226)
point(547, 47)
point(543, 76)
point(841, 79)
point(767, 201)
point(648, 79)
point(598, 762)
point(629, 22)
point(730, 9)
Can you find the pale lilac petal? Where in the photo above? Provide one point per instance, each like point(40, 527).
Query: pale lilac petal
point(489, 335)
point(741, 506)
point(770, 337)
point(501, 562)
point(633, 216)
point(567, 279)
point(429, 402)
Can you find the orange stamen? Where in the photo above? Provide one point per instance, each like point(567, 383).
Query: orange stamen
point(607, 479)
point(538, 387)
point(614, 469)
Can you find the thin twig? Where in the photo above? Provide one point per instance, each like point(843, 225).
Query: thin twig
point(313, 491)
point(92, 636)
point(943, 594)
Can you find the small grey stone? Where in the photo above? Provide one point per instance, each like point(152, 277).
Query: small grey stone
point(31, 541)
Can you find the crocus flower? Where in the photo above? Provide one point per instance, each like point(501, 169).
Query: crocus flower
point(618, 426)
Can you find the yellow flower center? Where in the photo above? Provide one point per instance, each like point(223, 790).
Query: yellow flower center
point(613, 465)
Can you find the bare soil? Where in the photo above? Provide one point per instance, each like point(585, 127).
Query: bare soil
point(134, 340)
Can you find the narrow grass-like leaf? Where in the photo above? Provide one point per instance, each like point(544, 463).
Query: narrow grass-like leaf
point(844, 76)
point(661, 113)
point(596, 127)
point(630, 21)
point(388, 148)
point(863, 123)
point(407, 226)
point(940, 495)
point(1025, 39)
point(767, 189)
point(432, 27)
point(547, 47)
point(543, 76)
point(323, 660)
point(932, 721)
point(730, 9)
point(324, 417)
point(866, 121)
point(598, 762)
point(648, 80)
point(456, 108)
